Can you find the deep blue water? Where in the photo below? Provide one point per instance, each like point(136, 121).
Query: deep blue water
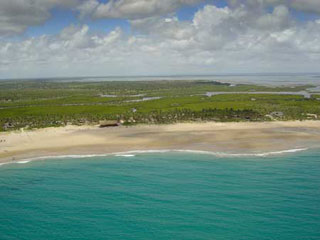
point(162, 196)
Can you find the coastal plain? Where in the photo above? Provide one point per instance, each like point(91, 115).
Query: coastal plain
point(54, 117)
point(33, 104)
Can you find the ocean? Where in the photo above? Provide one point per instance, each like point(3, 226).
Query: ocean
point(276, 79)
point(259, 79)
point(169, 195)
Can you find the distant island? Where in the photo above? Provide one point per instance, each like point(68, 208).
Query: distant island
point(31, 104)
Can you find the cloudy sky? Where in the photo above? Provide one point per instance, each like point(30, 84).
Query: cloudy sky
point(52, 38)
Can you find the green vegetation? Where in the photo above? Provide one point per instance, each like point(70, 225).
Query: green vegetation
point(43, 103)
point(316, 96)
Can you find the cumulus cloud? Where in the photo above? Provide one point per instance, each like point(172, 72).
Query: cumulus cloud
point(306, 5)
point(17, 15)
point(135, 9)
point(229, 39)
point(302, 5)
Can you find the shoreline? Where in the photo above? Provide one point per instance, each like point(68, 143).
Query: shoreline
point(241, 138)
point(136, 152)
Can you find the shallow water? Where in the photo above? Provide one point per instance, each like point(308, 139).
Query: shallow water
point(162, 196)
point(302, 93)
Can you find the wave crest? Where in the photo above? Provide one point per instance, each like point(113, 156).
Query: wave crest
point(134, 152)
point(125, 155)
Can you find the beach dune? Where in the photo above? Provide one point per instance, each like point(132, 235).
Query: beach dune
point(244, 137)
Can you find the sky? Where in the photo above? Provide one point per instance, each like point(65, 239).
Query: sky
point(67, 38)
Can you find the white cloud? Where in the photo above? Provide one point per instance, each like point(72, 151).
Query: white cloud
point(135, 9)
point(303, 5)
point(239, 38)
point(278, 19)
point(17, 15)
point(87, 8)
point(307, 5)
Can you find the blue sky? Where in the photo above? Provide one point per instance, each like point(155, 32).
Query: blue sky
point(139, 37)
point(61, 18)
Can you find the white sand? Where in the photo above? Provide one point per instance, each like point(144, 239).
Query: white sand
point(222, 137)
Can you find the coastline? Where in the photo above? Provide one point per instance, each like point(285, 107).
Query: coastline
point(242, 138)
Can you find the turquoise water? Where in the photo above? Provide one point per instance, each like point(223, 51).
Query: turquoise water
point(162, 196)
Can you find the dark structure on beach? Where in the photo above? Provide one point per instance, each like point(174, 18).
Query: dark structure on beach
point(109, 123)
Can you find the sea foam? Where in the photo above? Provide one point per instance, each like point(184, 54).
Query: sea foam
point(218, 154)
point(23, 161)
point(125, 155)
point(134, 152)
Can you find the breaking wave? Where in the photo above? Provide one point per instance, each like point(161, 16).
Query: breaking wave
point(134, 152)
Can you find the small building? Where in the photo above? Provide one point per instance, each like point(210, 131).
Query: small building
point(277, 114)
point(109, 123)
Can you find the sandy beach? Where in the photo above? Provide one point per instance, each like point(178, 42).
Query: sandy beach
point(214, 137)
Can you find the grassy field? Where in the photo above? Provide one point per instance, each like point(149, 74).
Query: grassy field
point(35, 104)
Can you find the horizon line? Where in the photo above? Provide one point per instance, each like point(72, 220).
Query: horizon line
point(171, 75)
